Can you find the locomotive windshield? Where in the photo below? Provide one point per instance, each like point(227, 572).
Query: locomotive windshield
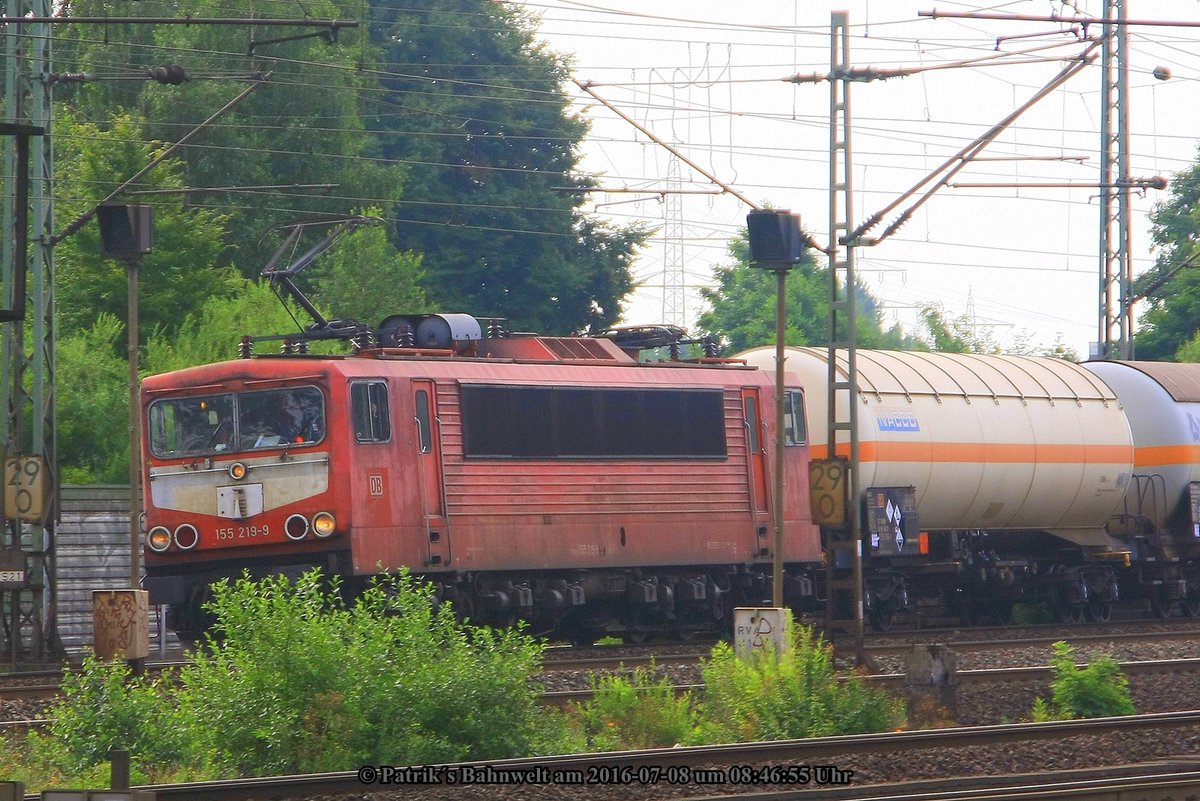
point(235, 422)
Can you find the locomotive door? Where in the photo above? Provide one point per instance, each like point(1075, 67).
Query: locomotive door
point(755, 453)
point(756, 456)
point(429, 460)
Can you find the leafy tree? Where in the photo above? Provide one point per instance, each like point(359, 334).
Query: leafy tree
point(742, 313)
point(93, 374)
point(469, 105)
point(1189, 351)
point(1172, 320)
point(962, 335)
point(303, 126)
point(212, 333)
point(93, 404)
point(363, 278)
point(474, 108)
point(180, 271)
point(1059, 350)
point(956, 335)
point(742, 306)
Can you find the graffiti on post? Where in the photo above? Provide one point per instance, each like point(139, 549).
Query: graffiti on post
point(120, 618)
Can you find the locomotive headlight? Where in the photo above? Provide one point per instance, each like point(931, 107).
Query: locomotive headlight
point(237, 471)
point(323, 524)
point(296, 527)
point(159, 539)
point(187, 537)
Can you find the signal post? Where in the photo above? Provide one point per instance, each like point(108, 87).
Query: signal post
point(777, 243)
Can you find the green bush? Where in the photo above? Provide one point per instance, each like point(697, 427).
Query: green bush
point(297, 679)
point(1096, 691)
point(635, 711)
point(791, 694)
point(300, 681)
point(104, 707)
point(36, 762)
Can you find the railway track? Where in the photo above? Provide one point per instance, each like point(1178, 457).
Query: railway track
point(41, 685)
point(895, 681)
point(44, 685)
point(785, 769)
point(1166, 781)
point(602, 658)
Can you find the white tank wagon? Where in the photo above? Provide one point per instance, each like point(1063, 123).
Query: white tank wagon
point(1017, 465)
point(1160, 515)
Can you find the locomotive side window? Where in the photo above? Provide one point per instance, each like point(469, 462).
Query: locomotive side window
point(424, 433)
point(794, 430)
point(751, 410)
point(526, 422)
point(369, 411)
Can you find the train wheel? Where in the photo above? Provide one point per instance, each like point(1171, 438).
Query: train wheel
point(1099, 610)
point(1070, 613)
point(464, 607)
point(1191, 605)
point(1160, 604)
point(970, 615)
point(684, 634)
point(190, 640)
point(504, 621)
point(1004, 613)
point(882, 617)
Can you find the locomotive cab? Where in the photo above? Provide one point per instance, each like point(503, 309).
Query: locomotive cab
point(230, 476)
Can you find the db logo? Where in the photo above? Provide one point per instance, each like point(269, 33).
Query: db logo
point(376, 484)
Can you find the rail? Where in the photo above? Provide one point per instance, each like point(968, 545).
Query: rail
point(651, 763)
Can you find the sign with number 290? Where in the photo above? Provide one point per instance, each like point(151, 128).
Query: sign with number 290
point(25, 488)
point(828, 480)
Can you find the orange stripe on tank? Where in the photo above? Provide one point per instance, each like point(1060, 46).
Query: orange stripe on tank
point(1166, 454)
point(983, 452)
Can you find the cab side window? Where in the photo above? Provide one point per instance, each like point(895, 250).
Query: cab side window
point(794, 429)
point(424, 430)
point(369, 411)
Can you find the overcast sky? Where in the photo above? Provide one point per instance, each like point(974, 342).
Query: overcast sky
point(708, 77)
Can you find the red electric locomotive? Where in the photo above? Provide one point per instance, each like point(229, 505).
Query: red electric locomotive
point(556, 480)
